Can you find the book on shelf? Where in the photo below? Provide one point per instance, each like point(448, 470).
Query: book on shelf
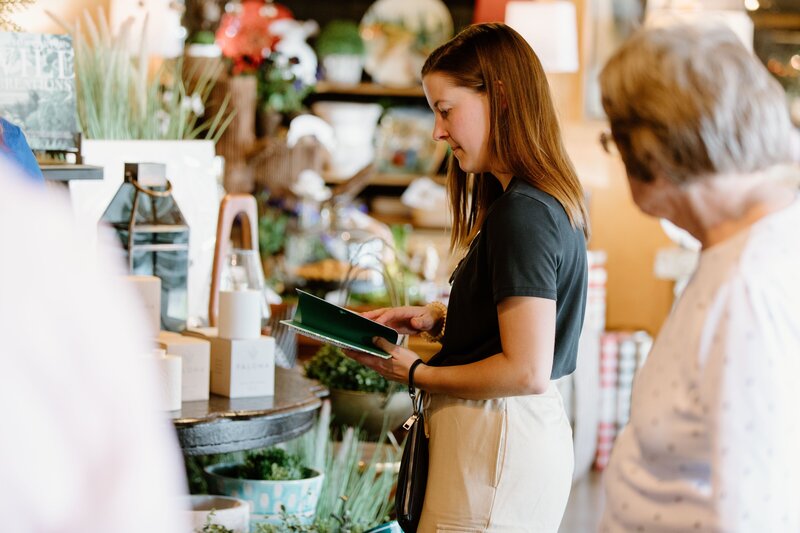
point(330, 323)
point(37, 89)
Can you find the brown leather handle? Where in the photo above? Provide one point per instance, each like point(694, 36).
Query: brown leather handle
point(231, 207)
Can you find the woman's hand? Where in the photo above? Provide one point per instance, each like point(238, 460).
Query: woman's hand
point(409, 320)
point(396, 368)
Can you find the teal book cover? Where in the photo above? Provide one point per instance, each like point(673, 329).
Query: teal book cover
point(327, 322)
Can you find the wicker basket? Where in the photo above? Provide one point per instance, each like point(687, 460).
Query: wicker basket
point(276, 166)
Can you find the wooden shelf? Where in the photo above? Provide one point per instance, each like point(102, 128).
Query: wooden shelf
point(391, 180)
point(369, 89)
point(68, 172)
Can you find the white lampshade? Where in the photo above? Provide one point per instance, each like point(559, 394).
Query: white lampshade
point(738, 21)
point(550, 27)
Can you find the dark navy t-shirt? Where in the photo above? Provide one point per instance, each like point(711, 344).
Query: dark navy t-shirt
point(526, 247)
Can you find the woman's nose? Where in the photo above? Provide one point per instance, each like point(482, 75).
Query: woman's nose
point(439, 133)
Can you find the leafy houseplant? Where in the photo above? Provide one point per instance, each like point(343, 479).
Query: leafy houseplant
point(340, 37)
point(337, 371)
point(356, 492)
point(357, 483)
point(359, 396)
point(279, 88)
point(273, 464)
point(341, 49)
point(272, 480)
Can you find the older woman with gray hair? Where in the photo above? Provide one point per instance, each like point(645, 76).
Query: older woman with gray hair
point(713, 443)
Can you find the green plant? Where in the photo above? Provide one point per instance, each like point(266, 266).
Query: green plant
point(209, 527)
point(278, 87)
point(340, 37)
point(272, 226)
point(273, 464)
point(355, 494)
point(118, 100)
point(337, 371)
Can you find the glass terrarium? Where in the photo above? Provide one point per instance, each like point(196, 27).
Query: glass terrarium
point(154, 236)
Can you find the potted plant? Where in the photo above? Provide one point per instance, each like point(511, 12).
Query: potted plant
point(356, 491)
point(273, 481)
point(359, 396)
point(218, 514)
point(341, 50)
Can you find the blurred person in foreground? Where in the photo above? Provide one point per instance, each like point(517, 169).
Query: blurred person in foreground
point(83, 447)
point(713, 439)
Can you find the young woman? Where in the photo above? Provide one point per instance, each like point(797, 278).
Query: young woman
point(501, 454)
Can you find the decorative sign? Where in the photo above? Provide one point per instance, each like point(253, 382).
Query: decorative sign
point(37, 88)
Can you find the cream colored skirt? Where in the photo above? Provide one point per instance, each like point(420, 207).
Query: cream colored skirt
point(497, 465)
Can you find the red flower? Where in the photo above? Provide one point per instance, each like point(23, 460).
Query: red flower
point(244, 35)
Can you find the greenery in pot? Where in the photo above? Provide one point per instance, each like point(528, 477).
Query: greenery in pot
point(340, 37)
point(118, 99)
point(337, 371)
point(356, 494)
point(273, 464)
point(356, 490)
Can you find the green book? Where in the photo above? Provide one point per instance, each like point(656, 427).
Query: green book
point(327, 322)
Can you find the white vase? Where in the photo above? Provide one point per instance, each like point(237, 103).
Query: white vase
point(354, 128)
point(192, 170)
point(344, 69)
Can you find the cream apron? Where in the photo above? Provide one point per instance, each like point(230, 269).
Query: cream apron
point(501, 465)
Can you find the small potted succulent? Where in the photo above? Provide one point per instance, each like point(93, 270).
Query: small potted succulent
point(359, 396)
point(341, 50)
point(273, 481)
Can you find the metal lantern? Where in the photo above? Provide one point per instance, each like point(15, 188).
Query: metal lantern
point(154, 236)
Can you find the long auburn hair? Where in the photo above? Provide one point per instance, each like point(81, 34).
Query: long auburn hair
point(524, 135)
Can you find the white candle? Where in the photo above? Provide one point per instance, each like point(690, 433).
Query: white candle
point(169, 369)
point(240, 314)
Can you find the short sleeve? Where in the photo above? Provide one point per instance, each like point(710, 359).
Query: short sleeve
point(749, 393)
point(523, 248)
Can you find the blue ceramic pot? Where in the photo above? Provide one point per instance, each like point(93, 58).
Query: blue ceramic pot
point(299, 497)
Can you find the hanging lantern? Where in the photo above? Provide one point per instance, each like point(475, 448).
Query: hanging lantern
point(154, 236)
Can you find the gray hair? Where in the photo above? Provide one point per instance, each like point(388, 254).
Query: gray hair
point(690, 102)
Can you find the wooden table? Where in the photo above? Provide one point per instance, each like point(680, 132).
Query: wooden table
point(222, 425)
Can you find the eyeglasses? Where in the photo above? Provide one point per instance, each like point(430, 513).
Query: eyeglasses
point(607, 142)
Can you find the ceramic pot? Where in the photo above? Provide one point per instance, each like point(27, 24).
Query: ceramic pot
point(299, 497)
point(344, 69)
point(231, 513)
point(367, 409)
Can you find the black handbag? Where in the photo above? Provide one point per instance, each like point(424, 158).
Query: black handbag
point(413, 475)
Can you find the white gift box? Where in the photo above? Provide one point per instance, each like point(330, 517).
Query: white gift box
point(240, 368)
point(196, 356)
point(243, 368)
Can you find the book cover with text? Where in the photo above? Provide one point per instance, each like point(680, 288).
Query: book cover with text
point(37, 88)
